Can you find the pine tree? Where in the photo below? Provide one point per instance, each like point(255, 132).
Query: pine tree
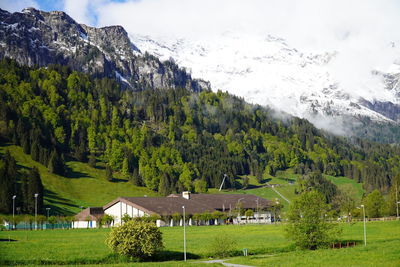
point(35, 154)
point(35, 186)
point(8, 182)
point(109, 173)
point(136, 179)
point(56, 163)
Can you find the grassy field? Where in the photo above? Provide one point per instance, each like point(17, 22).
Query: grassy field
point(266, 243)
point(83, 185)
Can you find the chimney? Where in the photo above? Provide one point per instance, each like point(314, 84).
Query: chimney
point(186, 194)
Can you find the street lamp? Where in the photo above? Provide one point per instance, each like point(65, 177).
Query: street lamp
point(14, 211)
point(36, 196)
point(365, 229)
point(237, 205)
point(48, 209)
point(184, 234)
point(277, 203)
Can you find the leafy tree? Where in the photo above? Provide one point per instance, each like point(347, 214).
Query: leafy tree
point(307, 225)
point(249, 214)
point(136, 239)
point(374, 204)
point(200, 186)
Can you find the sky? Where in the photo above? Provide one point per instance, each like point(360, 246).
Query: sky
point(364, 32)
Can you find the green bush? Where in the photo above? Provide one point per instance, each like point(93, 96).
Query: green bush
point(307, 222)
point(223, 246)
point(136, 239)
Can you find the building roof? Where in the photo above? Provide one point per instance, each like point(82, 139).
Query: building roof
point(197, 203)
point(225, 202)
point(162, 205)
point(92, 212)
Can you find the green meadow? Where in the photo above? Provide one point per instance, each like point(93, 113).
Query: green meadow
point(266, 244)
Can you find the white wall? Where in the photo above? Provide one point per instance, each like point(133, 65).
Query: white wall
point(84, 224)
point(120, 208)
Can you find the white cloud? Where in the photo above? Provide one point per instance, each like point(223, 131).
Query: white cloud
point(17, 6)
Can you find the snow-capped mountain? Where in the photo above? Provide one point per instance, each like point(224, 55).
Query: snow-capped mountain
point(266, 70)
point(34, 37)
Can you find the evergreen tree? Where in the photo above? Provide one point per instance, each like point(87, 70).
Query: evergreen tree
point(135, 178)
point(35, 186)
point(56, 163)
point(109, 173)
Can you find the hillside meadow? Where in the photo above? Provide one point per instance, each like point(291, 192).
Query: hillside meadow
point(266, 244)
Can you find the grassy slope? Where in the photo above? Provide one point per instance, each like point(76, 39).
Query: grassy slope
point(282, 179)
point(83, 186)
point(87, 246)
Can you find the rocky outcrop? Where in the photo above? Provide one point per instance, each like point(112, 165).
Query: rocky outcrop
point(34, 37)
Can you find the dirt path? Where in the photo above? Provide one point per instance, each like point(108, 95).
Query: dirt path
point(226, 264)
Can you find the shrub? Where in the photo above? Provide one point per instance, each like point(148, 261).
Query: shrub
point(223, 246)
point(136, 239)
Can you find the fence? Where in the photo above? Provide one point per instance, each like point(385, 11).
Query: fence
point(40, 226)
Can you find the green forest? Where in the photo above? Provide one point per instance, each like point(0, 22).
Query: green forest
point(167, 140)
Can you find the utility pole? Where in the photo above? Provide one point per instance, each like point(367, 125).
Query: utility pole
point(184, 234)
point(223, 181)
point(365, 229)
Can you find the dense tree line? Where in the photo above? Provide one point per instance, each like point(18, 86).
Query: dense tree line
point(170, 140)
point(21, 184)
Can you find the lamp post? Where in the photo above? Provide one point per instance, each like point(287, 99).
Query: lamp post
point(365, 229)
point(237, 205)
point(48, 209)
point(277, 203)
point(258, 212)
point(36, 196)
point(14, 211)
point(184, 234)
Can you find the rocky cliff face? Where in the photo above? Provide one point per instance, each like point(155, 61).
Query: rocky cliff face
point(34, 37)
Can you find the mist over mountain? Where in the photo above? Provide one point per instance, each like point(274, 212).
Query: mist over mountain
point(266, 70)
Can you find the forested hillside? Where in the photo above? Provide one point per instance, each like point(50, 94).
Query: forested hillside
point(170, 140)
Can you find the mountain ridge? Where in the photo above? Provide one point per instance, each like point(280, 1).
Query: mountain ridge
point(34, 37)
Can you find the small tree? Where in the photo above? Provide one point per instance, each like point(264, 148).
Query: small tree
point(223, 246)
point(200, 186)
point(107, 220)
point(136, 239)
point(374, 204)
point(52, 220)
point(249, 214)
point(307, 225)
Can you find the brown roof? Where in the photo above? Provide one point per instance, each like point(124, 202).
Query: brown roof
point(226, 201)
point(92, 212)
point(163, 205)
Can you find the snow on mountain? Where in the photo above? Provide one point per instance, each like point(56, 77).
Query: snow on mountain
point(266, 70)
